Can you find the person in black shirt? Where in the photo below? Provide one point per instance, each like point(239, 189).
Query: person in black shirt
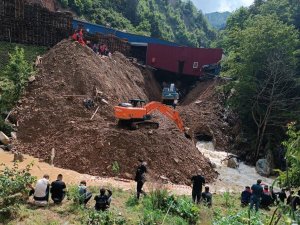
point(289, 199)
point(245, 196)
point(198, 181)
point(295, 201)
point(207, 197)
point(140, 178)
point(103, 200)
point(58, 190)
point(282, 195)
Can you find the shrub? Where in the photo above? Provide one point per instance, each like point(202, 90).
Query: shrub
point(115, 168)
point(13, 188)
point(103, 218)
point(161, 201)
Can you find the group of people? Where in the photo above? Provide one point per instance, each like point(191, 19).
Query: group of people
point(261, 196)
point(58, 191)
point(100, 49)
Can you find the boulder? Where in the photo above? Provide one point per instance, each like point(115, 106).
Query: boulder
point(4, 139)
point(232, 163)
point(263, 167)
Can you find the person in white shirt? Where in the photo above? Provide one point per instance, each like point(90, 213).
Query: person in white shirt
point(41, 191)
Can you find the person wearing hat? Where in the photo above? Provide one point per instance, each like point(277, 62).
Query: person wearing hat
point(198, 181)
point(140, 178)
point(257, 192)
point(266, 198)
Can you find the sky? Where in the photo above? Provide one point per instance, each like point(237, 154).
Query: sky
point(208, 6)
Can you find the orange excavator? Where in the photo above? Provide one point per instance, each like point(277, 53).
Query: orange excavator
point(136, 114)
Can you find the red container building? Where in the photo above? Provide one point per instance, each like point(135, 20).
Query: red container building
point(182, 60)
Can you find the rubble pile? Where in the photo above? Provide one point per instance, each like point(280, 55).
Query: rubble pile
point(72, 86)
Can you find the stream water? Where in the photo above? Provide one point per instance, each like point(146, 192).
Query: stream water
point(229, 179)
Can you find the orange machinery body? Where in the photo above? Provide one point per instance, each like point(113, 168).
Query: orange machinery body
point(141, 113)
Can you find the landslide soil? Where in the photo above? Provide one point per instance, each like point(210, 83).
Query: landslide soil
point(51, 115)
point(204, 112)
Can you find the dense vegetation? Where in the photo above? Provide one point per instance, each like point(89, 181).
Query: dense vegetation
point(218, 19)
point(15, 68)
point(262, 47)
point(173, 20)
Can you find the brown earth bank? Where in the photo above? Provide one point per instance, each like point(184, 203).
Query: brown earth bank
point(51, 115)
point(204, 112)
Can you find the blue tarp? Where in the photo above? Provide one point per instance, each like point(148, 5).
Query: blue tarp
point(132, 38)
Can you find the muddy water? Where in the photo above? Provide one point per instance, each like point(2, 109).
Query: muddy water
point(233, 180)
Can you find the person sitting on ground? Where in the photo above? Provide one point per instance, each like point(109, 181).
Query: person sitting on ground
point(257, 192)
point(58, 190)
point(266, 199)
point(295, 201)
point(84, 194)
point(103, 200)
point(207, 197)
point(41, 191)
point(289, 198)
point(282, 195)
point(245, 196)
point(198, 181)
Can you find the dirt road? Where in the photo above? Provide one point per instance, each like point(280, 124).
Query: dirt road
point(72, 178)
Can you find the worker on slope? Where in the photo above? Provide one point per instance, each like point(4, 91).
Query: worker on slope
point(198, 180)
point(140, 178)
point(78, 36)
point(257, 192)
point(103, 200)
point(58, 190)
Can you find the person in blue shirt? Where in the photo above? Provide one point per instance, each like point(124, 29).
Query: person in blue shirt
point(257, 191)
point(245, 196)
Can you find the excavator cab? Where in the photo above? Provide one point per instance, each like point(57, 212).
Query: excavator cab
point(137, 102)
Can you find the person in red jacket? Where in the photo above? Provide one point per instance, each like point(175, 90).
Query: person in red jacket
point(78, 36)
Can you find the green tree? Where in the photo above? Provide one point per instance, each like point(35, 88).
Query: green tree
point(262, 61)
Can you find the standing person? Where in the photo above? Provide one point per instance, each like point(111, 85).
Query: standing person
point(41, 191)
point(295, 201)
point(198, 180)
point(140, 178)
point(58, 190)
point(282, 195)
point(289, 198)
point(245, 196)
point(84, 194)
point(257, 192)
point(207, 197)
point(103, 200)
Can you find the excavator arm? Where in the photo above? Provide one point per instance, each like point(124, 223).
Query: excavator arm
point(167, 111)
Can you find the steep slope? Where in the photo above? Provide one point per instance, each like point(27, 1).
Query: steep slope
point(52, 115)
point(217, 19)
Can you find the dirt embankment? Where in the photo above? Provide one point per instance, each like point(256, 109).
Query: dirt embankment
point(51, 115)
point(204, 112)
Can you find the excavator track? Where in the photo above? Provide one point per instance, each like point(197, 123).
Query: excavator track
point(144, 125)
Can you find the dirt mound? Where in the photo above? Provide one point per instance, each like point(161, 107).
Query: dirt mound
point(204, 112)
point(52, 115)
